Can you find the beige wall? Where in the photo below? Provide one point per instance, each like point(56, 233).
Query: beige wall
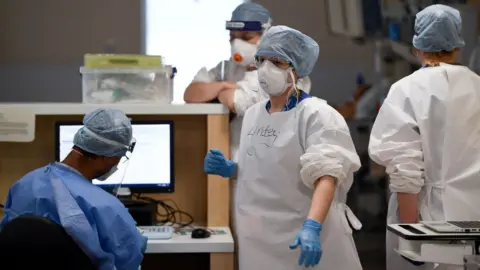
point(61, 31)
point(42, 44)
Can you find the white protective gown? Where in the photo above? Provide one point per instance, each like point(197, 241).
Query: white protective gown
point(280, 157)
point(427, 136)
point(248, 94)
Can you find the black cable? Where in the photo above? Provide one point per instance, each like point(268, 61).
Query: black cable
point(169, 213)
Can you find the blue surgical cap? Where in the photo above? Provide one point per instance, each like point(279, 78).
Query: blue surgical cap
point(251, 12)
point(291, 45)
point(437, 28)
point(106, 132)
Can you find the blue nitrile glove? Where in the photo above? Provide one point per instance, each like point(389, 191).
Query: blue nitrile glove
point(309, 240)
point(216, 163)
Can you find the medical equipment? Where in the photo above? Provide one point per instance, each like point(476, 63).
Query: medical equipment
point(243, 52)
point(150, 167)
point(420, 244)
point(127, 85)
point(354, 18)
point(249, 17)
point(157, 232)
point(453, 226)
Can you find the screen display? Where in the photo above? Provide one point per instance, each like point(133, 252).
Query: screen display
point(148, 165)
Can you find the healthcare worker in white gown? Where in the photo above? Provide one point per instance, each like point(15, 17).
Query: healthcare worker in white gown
point(295, 166)
point(427, 134)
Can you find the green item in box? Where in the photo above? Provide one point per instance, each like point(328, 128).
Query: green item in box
point(121, 61)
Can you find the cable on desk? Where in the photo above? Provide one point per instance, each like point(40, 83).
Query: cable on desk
point(170, 214)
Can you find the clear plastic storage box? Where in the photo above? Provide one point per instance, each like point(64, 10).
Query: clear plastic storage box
point(127, 85)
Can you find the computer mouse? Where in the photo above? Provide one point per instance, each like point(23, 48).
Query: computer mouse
point(200, 233)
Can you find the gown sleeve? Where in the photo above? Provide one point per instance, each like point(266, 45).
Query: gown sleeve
point(248, 93)
point(119, 236)
point(395, 143)
point(329, 148)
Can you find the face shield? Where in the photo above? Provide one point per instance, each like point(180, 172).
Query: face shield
point(115, 176)
point(243, 51)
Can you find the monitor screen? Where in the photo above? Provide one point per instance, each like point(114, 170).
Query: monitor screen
point(148, 169)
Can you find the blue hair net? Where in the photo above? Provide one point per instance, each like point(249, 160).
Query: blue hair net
point(251, 12)
point(437, 28)
point(112, 126)
point(291, 45)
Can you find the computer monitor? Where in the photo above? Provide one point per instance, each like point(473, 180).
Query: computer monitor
point(149, 168)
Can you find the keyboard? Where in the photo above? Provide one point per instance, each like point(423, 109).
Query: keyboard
point(466, 224)
point(157, 232)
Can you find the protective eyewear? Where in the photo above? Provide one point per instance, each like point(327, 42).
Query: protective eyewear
point(280, 63)
point(130, 149)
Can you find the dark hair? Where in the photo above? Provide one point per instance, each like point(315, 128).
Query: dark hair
point(85, 153)
point(438, 57)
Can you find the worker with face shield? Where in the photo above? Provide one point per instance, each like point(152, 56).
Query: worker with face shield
point(426, 133)
point(248, 22)
point(64, 193)
point(295, 166)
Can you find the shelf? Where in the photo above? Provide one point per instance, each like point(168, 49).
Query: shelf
point(129, 109)
point(186, 244)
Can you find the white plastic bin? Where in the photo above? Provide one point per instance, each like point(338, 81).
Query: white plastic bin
point(127, 85)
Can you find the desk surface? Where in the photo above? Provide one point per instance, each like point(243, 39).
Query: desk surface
point(221, 241)
point(420, 232)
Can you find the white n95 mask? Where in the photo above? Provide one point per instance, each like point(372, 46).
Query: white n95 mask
point(108, 174)
point(272, 79)
point(243, 53)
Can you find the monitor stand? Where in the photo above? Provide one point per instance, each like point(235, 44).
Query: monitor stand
point(124, 195)
point(122, 192)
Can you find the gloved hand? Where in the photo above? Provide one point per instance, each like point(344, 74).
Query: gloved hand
point(215, 163)
point(309, 240)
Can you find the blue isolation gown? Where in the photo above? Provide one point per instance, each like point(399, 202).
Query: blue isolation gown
point(97, 221)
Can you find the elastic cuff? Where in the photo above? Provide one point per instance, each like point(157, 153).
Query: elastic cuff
point(312, 225)
point(231, 167)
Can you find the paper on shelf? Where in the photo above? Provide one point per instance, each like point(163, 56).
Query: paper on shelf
point(16, 125)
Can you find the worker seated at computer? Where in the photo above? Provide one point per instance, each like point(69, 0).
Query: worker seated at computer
point(63, 192)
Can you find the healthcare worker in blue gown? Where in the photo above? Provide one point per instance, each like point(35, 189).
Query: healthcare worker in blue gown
point(63, 192)
point(295, 166)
